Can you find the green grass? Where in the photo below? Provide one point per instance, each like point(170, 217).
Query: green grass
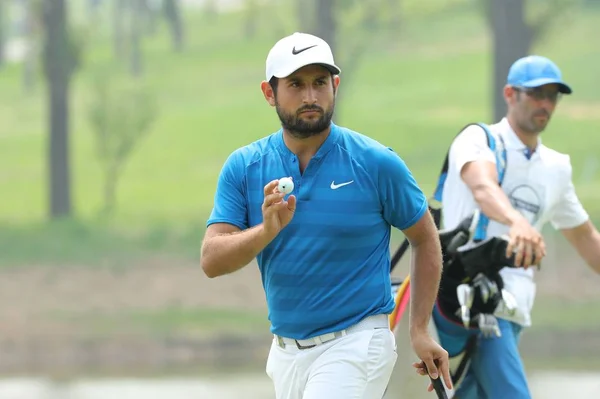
point(413, 93)
point(560, 315)
point(168, 321)
point(94, 242)
point(549, 316)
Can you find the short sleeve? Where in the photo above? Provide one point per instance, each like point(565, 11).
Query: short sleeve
point(230, 203)
point(470, 145)
point(569, 211)
point(403, 201)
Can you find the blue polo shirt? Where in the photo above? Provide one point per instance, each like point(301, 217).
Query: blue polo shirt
point(330, 267)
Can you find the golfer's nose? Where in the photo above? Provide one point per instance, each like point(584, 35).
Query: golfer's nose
point(310, 95)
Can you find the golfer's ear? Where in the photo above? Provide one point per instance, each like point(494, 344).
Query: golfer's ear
point(336, 81)
point(268, 92)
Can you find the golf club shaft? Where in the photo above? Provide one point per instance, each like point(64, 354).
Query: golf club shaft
point(399, 254)
point(438, 386)
point(436, 214)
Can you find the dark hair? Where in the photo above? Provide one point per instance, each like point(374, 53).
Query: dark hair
point(274, 82)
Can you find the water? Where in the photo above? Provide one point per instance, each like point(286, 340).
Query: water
point(247, 387)
point(547, 385)
point(573, 385)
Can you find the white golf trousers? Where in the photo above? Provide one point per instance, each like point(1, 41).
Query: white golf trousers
point(354, 366)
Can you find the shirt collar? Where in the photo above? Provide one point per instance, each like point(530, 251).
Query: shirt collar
point(513, 142)
point(327, 145)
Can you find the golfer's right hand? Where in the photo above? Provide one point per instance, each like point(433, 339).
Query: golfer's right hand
point(277, 212)
point(526, 243)
point(434, 359)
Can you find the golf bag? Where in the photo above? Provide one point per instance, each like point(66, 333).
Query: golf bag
point(471, 287)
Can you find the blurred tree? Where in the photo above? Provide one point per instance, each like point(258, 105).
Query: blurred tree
point(359, 32)
point(136, 15)
point(130, 23)
point(514, 35)
point(326, 24)
point(118, 26)
point(121, 113)
point(251, 19)
point(304, 14)
point(61, 59)
point(151, 13)
point(32, 26)
point(93, 8)
point(394, 10)
point(172, 10)
point(512, 39)
point(2, 38)
point(210, 9)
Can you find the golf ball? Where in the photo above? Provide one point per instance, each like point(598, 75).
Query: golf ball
point(286, 185)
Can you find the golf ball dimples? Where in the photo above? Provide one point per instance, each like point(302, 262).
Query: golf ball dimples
point(286, 185)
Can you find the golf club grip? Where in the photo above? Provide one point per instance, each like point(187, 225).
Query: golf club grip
point(438, 387)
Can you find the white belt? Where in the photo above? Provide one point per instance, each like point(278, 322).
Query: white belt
point(368, 323)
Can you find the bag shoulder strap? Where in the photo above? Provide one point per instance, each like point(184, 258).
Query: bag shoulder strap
point(499, 149)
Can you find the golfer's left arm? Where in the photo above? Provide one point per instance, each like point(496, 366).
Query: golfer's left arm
point(405, 207)
point(585, 238)
point(425, 271)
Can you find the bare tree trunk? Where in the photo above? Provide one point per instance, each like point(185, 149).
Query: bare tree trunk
point(326, 29)
point(304, 13)
point(2, 38)
point(370, 20)
point(29, 67)
point(395, 9)
point(370, 28)
point(60, 177)
point(326, 23)
point(118, 19)
point(59, 65)
point(92, 8)
point(173, 15)
point(512, 39)
point(110, 188)
point(210, 9)
point(135, 37)
point(251, 19)
point(150, 17)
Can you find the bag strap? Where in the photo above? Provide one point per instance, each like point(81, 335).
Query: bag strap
point(435, 202)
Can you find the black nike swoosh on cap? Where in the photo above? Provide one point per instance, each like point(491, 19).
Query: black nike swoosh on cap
point(295, 52)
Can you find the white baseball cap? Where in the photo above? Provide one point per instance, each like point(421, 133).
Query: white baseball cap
point(297, 50)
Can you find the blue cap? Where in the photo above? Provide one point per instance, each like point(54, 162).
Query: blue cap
point(534, 71)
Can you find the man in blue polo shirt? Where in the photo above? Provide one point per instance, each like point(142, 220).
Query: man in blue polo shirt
point(323, 250)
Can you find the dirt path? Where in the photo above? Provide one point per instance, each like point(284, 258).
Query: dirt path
point(37, 305)
point(31, 297)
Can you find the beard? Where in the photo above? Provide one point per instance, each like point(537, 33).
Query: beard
point(533, 125)
point(302, 128)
